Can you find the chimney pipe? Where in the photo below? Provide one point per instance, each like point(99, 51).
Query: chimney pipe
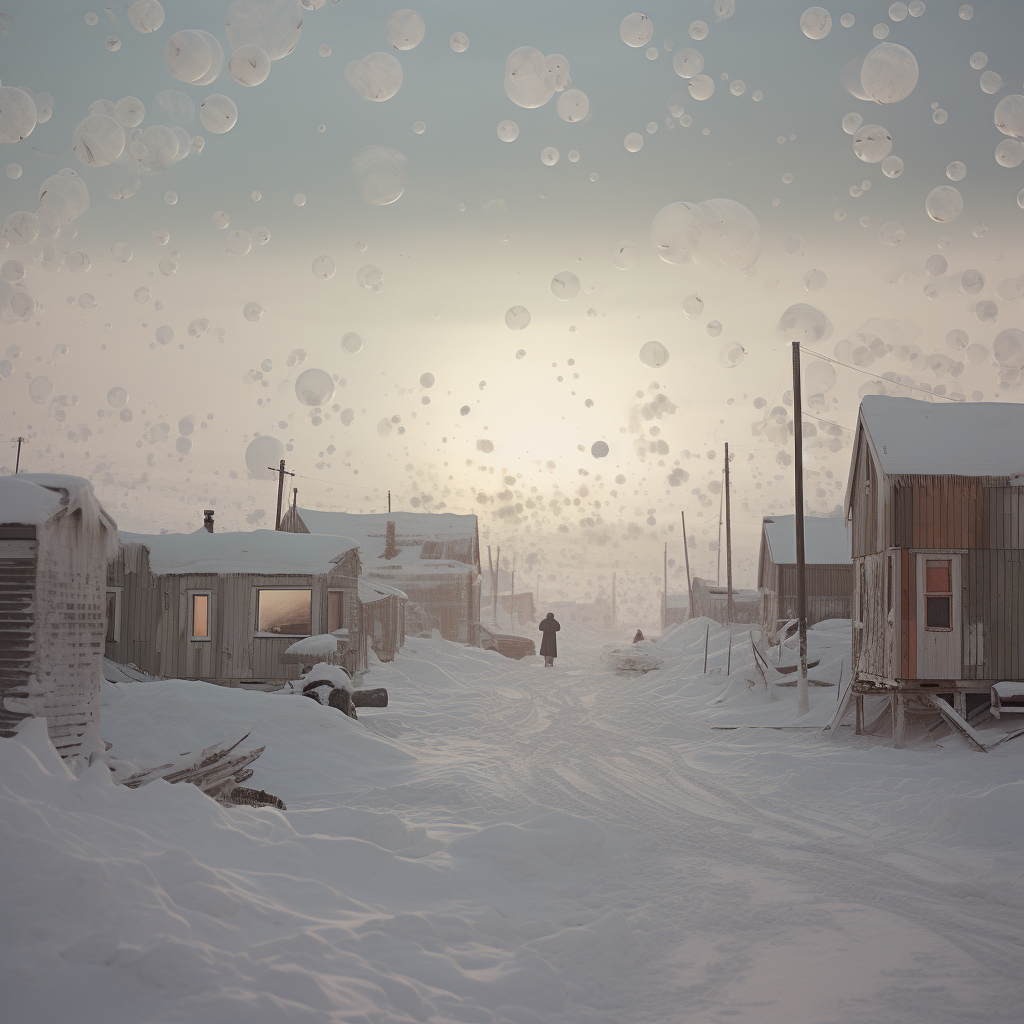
point(208, 519)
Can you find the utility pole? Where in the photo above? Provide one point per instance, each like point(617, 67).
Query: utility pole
point(512, 601)
point(803, 704)
point(689, 585)
point(497, 577)
point(295, 506)
point(389, 503)
point(728, 536)
point(664, 593)
point(490, 565)
point(613, 601)
point(718, 574)
point(281, 473)
point(17, 460)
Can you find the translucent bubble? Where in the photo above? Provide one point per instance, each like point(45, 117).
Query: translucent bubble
point(238, 242)
point(377, 76)
point(141, 295)
point(987, 312)
point(916, 8)
point(419, 127)
point(404, 29)
point(12, 270)
point(459, 41)
point(253, 311)
point(381, 173)
point(1009, 116)
point(499, 218)
point(940, 116)
point(693, 306)
point(508, 131)
point(892, 166)
point(936, 265)
point(979, 60)
point(636, 30)
point(40, 390)
point(714, 328)
point(464, 411)
point(164, 335)
point(889, 73)
point(573, 105)
point(113, 44)
point(972, 282)
point(324, 51)
point(698, 30)
point(944, 204)
point(14, 170)
point(737, 88)
point(688, 63)
point(633, 142)
point(21, 228)
point(991, 82)
point(87, 301)
point(898, 11)
point(249, 65)
point(805, 324)
point(1010, 153)
point(625, 255)
point(757, 95)
point(654, 354)
point(122, 252)
point(1008, 347)
point(369, 278)
point(170, 198)
point(263, 456)
point(652, 53)
point(351, 343)
point(218, 113)
point(129, 111)
point(527, 81)
point(872, 143)
point(92, 19)
point(956, 170)
point(593, 175)
point(815, 280)
point(880, 31)
point(201, 325)
point(892, 232)
point(221, 219)
point(816, 23)
point(565, 285)
point(98, 140)
point(852, 122)
point(17, 114)
point(966, 12)
point(117, 398)
point(719, 231)
point(273, 25)
point(521, 353)
point(184, 445)
point(323, 267)
point(847, 21)
point(146, 15)
point(549, 156)
point(701, 87)
point(731, 354)
point(958, 340)
point(599, 449)
point(314, 387)
point(517, 318)
point(187, 55)
point(299, 199)
point(1020, 198)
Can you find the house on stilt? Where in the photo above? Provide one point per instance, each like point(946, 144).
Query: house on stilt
point(935, 502)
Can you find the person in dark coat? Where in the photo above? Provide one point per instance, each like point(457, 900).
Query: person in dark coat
point(549, 626)
point(639, 636)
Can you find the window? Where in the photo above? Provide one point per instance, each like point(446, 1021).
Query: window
point(284, 612)
point(335, 610)
point(938, 594)
point(113, 615)
point(199, 614)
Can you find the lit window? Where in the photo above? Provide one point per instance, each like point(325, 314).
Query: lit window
point(284, 612)
point(200, 616)
point(938, 594)
point(335, 610)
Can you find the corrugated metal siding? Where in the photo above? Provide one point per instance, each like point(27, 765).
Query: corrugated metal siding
point(992, 584)
point(18, 551)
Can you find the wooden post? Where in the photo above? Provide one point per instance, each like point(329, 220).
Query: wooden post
point(295, 507)
point(389, 503)
point(613, 601)
point(707, 634)
point(512, 600)
point(728, 538)
point(664, 593)
point(689, 585)
point(803, 704)
point(899, 720)
point(497, 567)
point(718, 571)
point(858, 703)
point(280, 494)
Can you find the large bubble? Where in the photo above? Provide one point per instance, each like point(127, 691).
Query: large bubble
point(1008, 348)
point(21, 228)
point(404, 29)
point(352, 343)
point(187, 55)
point(944, 204)
point(701, 87)
point(272, 25)
point(324, 267)
point(377, 76)
point(573, 105)
point(565, 285)
point(599, 449)
point(98, 140)
point(805, 324)
point(17, 114)
point(517, 318)
point(816, 23)
point(218, 113)
point(872, 143)
point(370, 278)
point(1009, 116)
point(499, 218)
point(65, 194)
point(161, 144)
point(175, 107)
point(263, 456)
point(130, 111)
point(249, 65)
point(146, 15)
point(889, 73)
point(314, 387)
point(217, 62)
point(625, 255)
point(636, 30)
point(688, 62)
point(527, 82)
point(720, 232)
point(819, 377)
point(653, 354)
point(381, 173)
point(508, 131)
point(117, 398)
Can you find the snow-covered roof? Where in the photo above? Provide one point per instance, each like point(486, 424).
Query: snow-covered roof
point(826, 540)
point(31, 498)
point(263, 552)
point(956, 438)
point(419, 536)
point(374, 590)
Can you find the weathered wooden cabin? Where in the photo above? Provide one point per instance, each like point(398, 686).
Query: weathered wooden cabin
point(432, 557)
point(935, 502)
point(224, 607)
point(382, 617)
point(712, 600)
point(55, 539)
point(828, 570)
point(675, 608)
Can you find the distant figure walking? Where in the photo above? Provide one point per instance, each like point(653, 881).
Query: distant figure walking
point(549, 626)
point(639, 636)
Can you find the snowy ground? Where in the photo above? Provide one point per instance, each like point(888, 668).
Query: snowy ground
point(506, 843)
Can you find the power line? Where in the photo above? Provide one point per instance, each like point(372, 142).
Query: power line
point(878, 376)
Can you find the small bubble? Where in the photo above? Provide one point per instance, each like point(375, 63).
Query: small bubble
point(299, 199)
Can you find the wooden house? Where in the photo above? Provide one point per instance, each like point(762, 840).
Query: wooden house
point(382, 617)
point(431, 557)
point(675, 608)
point(935, 502)
point(828, 570)
point(226, 606)
point(55, 539)
point(712, 600)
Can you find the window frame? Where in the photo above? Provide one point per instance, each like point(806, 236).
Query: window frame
point(257, 632)
point(115, 626)
point(341, 597)
point(190, 611)
point(930, 594)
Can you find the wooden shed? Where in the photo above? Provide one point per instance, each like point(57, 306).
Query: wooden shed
point(382, 617)
point(712, 600)
point(828, 575)
point(55, 539)
point(226, 606)
point(675, 608)
point(431, 557)
point(935, 502)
